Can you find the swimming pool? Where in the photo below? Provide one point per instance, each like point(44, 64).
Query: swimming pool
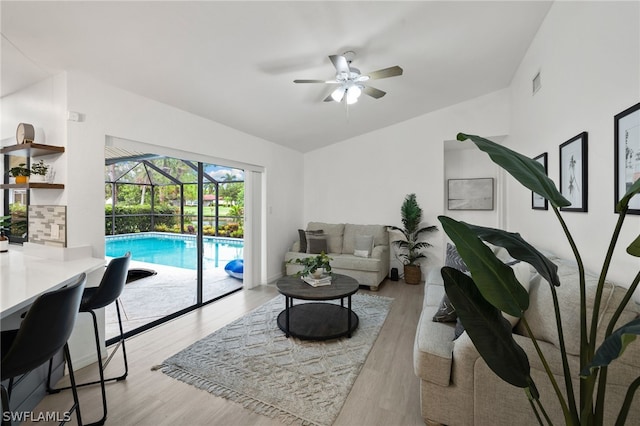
point(174, 249)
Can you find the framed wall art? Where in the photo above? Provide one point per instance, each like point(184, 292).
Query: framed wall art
point(538, 202)
point(470, 194)
point(573, 173)
point(627, 155)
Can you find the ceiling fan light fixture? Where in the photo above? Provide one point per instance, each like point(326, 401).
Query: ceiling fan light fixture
point(353, 93)
point(338, 94)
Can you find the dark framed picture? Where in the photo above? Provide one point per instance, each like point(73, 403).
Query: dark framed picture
point(470, 194)
point(538, 202)
point(573, 173)
point(627, 154)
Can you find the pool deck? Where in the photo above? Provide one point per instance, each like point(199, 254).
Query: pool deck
point(157, 296)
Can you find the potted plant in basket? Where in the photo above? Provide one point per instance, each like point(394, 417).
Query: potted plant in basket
point(313, 265)
point(411, 249)
point(40, 170)
point(21, 172)
point(4, 241)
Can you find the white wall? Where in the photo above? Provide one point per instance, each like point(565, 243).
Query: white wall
point(114, 112)
point(365, 179)
point(588, 54)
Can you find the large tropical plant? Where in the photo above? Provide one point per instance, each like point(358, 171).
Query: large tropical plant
point(493, 288)
point(410, 249)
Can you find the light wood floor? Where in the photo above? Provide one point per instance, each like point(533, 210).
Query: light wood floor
point(385, 393)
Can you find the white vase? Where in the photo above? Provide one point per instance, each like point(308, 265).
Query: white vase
point(37, 178)
point(4, 246)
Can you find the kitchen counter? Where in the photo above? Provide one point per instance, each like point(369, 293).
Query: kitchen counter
point(24, 277)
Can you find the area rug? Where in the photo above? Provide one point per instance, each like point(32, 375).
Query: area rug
point(250, 361)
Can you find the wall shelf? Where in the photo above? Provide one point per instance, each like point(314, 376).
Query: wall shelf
point(32, 185)
point(31, 149)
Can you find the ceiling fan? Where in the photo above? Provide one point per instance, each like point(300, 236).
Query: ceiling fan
point(351, 82)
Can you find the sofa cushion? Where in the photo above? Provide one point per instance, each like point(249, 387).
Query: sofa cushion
point(334, 233)
point(433, 348)
point(363, 246)
point(379, 233)
point(349, 261)
point(540, 315)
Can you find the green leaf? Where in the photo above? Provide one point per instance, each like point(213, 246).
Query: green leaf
point(613, 346)
point(519, 249)
point(496, 281)
point(634, 248)
point(624, 201)
point(525, 170)
point(488, 329)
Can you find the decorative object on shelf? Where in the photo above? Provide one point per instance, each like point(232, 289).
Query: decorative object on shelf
point(25, 133)
point(4, 240)
point(39, 171)
point(538, 202)
point(313, 264)
point(573, 173)
point(411, 249)
point(470, 194)
point(627, 155)
point(20, 172)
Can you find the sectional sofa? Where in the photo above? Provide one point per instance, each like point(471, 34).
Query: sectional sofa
point(458, 388)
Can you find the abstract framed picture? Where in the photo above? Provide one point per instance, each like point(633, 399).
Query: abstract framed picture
point(573, 173)
point(470, 194)
point(627, 155)
point(538, 202)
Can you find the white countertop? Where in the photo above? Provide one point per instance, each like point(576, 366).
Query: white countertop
point(23, 278)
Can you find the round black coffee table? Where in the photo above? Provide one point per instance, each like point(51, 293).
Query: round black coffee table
point(317, 321)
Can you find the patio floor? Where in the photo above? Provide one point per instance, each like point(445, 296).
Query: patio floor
point(157, 296)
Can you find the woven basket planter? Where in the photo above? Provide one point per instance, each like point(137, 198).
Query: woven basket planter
point(412, 274)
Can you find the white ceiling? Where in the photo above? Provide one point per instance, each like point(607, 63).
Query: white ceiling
point(235, 62)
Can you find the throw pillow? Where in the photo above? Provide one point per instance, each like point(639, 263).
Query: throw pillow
point(363, 246)
point(446, 312)
point(458, 330)
point(303, 238)
point(316, 243)
point(453, 259)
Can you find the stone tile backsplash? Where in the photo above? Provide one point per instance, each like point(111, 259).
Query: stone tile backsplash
point(43, 223)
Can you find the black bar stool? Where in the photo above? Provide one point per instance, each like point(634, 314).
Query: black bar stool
point(43, 333)
point(110, 288)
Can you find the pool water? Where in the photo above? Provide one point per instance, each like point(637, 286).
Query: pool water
point(174, 250)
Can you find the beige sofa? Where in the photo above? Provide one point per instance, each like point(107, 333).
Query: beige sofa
point(457, 387)
point(341, 238)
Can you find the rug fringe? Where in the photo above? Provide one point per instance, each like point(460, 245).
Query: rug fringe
point(257, 406)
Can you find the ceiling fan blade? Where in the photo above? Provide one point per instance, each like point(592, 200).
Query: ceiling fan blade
point(315, 81)
point(373, 92)
point(385, 73)
point(340, 62)
point(328, 98)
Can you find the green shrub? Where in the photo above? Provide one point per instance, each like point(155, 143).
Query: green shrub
point(137, 218)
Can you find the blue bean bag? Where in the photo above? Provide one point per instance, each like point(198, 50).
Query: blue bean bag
point(235, 268)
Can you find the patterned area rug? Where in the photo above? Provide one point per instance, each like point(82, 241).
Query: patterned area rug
point(250, 361)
